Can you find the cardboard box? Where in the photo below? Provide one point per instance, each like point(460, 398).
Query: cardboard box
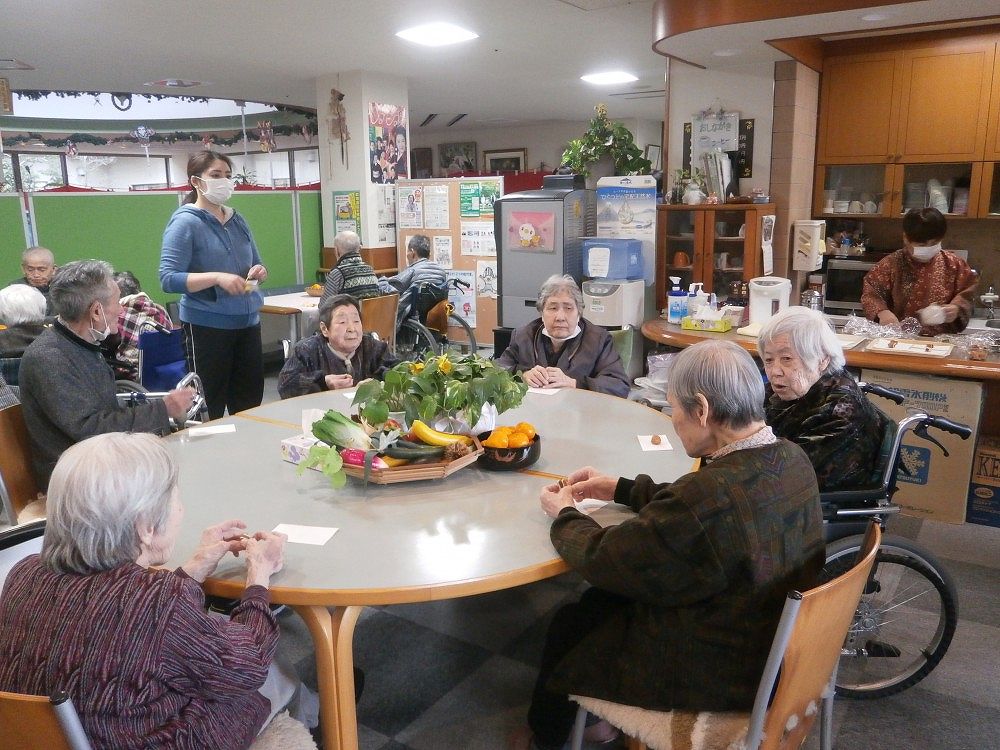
point(937, 489)
point(984, 488)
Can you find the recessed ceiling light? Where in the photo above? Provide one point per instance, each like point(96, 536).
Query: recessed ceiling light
point(874, 17)
point(726, 52)
point(437, 34)
point(174, 83)
point(611, 76)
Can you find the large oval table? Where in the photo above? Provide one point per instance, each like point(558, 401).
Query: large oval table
point(473, 532)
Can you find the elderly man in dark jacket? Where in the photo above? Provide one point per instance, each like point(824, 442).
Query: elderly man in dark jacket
point(561, 349)
point(687, 594)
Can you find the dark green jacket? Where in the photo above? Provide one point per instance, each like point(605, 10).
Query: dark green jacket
point(706, 566)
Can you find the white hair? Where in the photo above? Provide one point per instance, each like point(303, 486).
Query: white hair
point(21, 303)
point(726, 375)
point(559, 284)
point(810, 333)
point(102, 491)
point(346, 242)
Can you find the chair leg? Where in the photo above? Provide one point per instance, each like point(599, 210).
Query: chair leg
point(826, 714)
point(576, 739)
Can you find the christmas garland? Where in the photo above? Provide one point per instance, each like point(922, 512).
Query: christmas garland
point(37, 94)
point(307, 130)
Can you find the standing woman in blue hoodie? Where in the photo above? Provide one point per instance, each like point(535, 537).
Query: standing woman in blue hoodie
point(209, 256)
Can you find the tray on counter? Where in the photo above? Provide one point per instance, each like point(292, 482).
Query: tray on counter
point(912, 347)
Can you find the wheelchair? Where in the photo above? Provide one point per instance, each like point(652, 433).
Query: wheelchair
point(909, 609)
point(423, 321)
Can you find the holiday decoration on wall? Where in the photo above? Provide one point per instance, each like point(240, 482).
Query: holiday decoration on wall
point(338, 123)
point(142, 134)
point(266, 136)
point(71, 149)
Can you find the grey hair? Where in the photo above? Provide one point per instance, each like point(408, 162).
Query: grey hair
point(559, 284)
point(20, 303)
point(102, 491)
point(346, 242)
point(810, 333)
point(726, 375)
point(78, 285)
point(420, 244)
point(38, 251)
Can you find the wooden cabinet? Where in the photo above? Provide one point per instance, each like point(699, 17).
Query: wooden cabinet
point(993, 128)
point(989, 194)
point(715, 245)
point(929, 104)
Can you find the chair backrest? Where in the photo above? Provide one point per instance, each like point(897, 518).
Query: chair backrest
point(17, 542)
point(34, 721)
point(805, 652)
point(17, 483)
point(378, 315)
point(161, 359)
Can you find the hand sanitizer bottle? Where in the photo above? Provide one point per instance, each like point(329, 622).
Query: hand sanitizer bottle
point(676, 301)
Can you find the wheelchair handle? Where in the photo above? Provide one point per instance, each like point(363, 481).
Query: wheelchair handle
point(955, 428)
point(883, 392)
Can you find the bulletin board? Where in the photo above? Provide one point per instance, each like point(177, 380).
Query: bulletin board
point(457, 215)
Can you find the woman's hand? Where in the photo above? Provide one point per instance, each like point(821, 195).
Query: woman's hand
point(555, 501)
point(257, 272)
point(559, 379)
point(536, 377)
point(336, 382)
point(587, 482)
point(888, 318)
point(950, 312)
point(265, 557)
point(230, 283)
point(215, 542)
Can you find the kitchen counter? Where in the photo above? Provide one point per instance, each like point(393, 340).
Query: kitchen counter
point(662, 332)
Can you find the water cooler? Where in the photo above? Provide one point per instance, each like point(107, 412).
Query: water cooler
point(539, 233)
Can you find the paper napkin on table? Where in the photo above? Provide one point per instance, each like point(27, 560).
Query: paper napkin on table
point(646, 443)
point(543, 391)
point(212, 429)
point(317, 535)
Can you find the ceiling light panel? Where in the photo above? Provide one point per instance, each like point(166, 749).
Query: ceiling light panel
point(437, 34)
point(608, 78)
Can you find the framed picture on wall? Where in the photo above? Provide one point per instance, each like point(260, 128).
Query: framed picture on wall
point(505, 160)
point(457, 157)
point(422, 162)
point(653, 154)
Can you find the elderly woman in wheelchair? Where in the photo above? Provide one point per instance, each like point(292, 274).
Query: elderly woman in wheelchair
point(812, 401)
point(339, 355)
point(686, 595)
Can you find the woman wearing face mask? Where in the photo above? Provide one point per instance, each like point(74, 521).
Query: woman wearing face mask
point(210, 257)
point(921, 280)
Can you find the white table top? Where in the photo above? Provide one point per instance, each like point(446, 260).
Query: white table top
point(471, 532)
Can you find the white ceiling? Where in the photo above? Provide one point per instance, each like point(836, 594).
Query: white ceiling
point(525, 66)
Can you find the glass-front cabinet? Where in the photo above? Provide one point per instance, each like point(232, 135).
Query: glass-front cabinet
point(989, 201)
point(713, 244)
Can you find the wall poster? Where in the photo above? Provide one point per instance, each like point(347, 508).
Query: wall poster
point(411, 207)
point(477, 238)
point(486, 278)
point(386, 230)
point(387, 142)
point(531, 231)
point(463, 298)
point(436, 212)
point(347, 211)
point(441, 251)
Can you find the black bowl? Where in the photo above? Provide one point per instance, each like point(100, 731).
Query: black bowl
point(509, 459)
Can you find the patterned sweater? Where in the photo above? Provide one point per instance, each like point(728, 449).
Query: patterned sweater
point(705, 567)
point(904, 285)
point(836, 425)
point(146, 667)
point(351, 276)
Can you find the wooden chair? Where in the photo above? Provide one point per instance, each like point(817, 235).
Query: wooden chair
point(17, 483)
point(378, 316)
point(34, 721)
point(800, 673)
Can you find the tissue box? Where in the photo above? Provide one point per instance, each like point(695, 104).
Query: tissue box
point(296, 448)
point(699, 324)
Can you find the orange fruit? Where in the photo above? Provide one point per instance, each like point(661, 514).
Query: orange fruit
point(518, 440)
point(526, 428)
point(496, 440)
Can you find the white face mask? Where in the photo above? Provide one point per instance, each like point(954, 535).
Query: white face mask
point(925, 254)
point(217, 189)
point(99, 336)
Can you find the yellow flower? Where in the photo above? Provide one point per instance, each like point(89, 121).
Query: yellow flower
point(445, 365)
point(416, 368)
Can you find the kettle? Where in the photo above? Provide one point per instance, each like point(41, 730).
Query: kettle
point(768, 295)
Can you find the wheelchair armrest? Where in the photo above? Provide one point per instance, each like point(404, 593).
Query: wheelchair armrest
point(857, 498)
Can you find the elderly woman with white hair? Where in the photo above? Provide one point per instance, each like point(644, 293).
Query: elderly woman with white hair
point(22, 319)
point(561, 349)
point(686, 595)
point(132, 645)
point(812, 401)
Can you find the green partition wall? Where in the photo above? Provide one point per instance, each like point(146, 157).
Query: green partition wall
point(12, 242)
point(124, 229)
point(310, 234)
point(270, 218)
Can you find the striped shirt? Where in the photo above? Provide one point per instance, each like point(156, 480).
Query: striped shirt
point(146, 667)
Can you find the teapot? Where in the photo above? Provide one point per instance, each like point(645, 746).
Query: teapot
point(693, 195)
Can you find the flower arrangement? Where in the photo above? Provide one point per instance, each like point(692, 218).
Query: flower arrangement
point(440, 385)
point(604, 137)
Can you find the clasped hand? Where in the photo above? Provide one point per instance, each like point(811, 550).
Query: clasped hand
point(547, 377)
point(264, 551)
point(581, 484)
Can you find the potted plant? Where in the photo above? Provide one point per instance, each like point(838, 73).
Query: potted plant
point(605, 138)
point(450, 392)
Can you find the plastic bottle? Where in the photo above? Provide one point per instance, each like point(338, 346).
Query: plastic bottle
point(676, 301)
point(696, 297)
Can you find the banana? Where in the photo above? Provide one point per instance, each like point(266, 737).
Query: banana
point(427, 434)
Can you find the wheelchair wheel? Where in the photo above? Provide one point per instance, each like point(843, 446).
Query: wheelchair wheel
point(413, 340)
point(466, 341)
point(904, 623)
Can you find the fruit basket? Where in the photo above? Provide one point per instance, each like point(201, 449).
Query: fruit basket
point(510, 459)
point(413, 472)
point(314, 291)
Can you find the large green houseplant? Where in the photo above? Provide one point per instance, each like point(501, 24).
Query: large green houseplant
point(605, 138)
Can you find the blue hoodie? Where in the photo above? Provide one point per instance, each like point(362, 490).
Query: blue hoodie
point(195, 242)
